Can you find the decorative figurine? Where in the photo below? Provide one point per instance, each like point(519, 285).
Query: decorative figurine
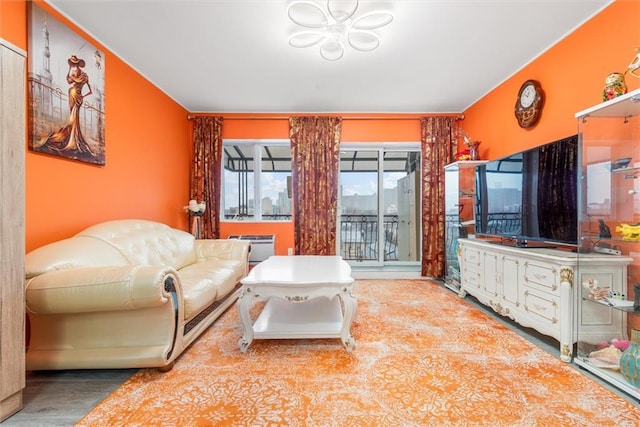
point(614, 86)
point(635, 64)
point(605, 231)
point(473, 146)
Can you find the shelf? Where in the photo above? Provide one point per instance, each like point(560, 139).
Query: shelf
point(606, 303)
point(595, 237)
point(614, 108)
point(625, 169)
point(611, 376)
point(465, 163)
point(316, 318)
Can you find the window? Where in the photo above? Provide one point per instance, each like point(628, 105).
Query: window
point(254, 180)
point(379, 216)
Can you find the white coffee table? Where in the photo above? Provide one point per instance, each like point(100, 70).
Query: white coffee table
point(307, 297)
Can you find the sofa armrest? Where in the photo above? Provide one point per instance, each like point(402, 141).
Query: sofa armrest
point(229, 249)
point(94, 289)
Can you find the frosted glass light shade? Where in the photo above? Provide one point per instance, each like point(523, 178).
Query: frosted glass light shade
point(336, 27)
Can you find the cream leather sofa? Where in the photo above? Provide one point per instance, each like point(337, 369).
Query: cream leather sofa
point(127, 294)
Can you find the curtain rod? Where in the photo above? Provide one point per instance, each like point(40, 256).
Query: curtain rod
point(399, 117)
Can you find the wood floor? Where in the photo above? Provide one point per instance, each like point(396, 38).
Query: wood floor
point(61, 398)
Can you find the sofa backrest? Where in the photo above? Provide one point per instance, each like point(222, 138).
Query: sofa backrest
point(115, 243)
point(146, 242)
point(74, 252)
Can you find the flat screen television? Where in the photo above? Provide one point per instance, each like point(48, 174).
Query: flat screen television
point(530, 198)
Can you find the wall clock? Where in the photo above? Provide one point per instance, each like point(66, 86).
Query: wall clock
point(529, 104)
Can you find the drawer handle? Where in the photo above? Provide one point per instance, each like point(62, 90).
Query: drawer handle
point(540, 307)
point(540, 276)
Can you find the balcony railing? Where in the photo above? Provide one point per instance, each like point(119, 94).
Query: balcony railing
point(504, 223)
point(359, 237)
point(250, 217)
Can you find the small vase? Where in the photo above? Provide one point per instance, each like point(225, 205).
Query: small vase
point(630, 360)
point(473, 150)
point(195, 226)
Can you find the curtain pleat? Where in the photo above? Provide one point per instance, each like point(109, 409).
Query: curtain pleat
point(439, 136)
point(558, 188)
point(315, 157)
point(205, 171)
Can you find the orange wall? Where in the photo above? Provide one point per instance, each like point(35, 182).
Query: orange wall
point(148, 155)
point(572, 75)
point(13, 16)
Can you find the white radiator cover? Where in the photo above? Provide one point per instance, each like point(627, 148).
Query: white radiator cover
point(262, 245)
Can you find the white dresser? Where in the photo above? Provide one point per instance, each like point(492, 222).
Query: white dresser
point(537, 287)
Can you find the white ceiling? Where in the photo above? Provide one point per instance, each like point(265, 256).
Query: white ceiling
point(233, 55)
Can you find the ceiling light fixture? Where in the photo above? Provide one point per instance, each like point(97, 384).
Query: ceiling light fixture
point(336, 27)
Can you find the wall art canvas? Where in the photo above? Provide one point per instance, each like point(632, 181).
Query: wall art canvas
point(66, 91)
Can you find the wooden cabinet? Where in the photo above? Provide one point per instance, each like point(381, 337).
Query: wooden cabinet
point(536, 287)
point(12, 145)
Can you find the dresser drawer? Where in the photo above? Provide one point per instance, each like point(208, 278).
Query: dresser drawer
point(471, 259)
point(471, 277)
point(542, 306)
point(545, 277)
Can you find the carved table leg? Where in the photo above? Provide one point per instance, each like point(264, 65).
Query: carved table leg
point(349, 305)
point(244, 303)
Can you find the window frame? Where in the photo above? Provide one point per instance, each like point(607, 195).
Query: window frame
point(257, 145)
point(381, 148)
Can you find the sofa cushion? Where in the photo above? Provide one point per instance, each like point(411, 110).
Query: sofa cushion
point(146, 242)
point(204, 283)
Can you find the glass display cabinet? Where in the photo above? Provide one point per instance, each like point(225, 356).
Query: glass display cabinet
point(609, 225)
point(460, 187)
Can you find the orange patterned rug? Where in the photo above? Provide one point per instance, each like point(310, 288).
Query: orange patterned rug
point(424, 357)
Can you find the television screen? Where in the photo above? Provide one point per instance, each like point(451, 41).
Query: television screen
point(530, 197)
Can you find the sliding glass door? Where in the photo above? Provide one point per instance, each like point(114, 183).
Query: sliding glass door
point(379, 201)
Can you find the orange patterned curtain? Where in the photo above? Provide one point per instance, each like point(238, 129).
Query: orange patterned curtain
point(205, 172)
point(315, 155)
point(439, 145)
